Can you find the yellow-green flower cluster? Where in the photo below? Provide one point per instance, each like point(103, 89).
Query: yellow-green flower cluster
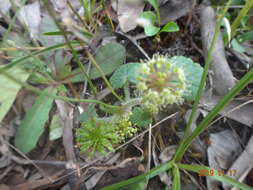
point(124, 128)
point(161, 83)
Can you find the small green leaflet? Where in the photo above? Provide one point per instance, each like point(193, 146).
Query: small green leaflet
point(149, 28)
point(170, 27)
point(150, 16)
point(154, 4)
point(141, 117)
point(124, 73)
point(32, 126)
point(193, 73)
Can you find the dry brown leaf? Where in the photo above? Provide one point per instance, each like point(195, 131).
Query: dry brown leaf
point(128, 13)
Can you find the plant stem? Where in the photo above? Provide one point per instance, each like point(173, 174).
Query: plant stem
point(132, 102)
point(146, 176)
point(93, 61)
point(214, 112)
point(70, 46)
point(202, 82)
point(44, 50)
point(126, 91)
point(238, 19)
point(205, 72)
point(67, 99)
point(12, 22)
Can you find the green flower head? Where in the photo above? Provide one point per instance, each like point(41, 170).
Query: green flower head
point(161, 83)
point(124, 128)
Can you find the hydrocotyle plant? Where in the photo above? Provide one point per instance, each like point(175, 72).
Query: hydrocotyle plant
point(159, 82)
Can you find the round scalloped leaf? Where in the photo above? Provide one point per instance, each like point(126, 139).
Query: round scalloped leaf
point(124, 73)
point(141, 117)
point(193, 72)
point(109, 57)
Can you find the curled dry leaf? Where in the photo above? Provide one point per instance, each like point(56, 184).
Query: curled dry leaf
point(171, 10)
point(128, 12)
point(164, 177)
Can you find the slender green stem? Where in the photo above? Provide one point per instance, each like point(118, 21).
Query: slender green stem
point(93, 61)
point(158, 17)
point(76, 13)
point(205, 73)
point(176, 178)
point(6, 34)
point(214, 112)
point(152, 173)
point(237, 21)
point(49, 8)
point(126, 91)
point(22, 59)
point(132, 102)
point(64, 98)
point(87, 9)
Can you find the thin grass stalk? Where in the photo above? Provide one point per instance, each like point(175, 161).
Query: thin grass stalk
point(88, 6)
point(76, 13)
point(248, 5)
point(49, 8)
point(247, 78)
point(64, 98)
point(176, 178)
point(6, 34)
point(93, 61)
point(205, 73)
point(152, 173)
point(44, 50)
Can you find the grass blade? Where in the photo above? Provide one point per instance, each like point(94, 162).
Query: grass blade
point(237, 21)
point(205, 72)
point(176, 179)
point(152, 173)
point(214, 112)
point(215, 175)
point(74, 52)
point(64, 98)
point(22, 59)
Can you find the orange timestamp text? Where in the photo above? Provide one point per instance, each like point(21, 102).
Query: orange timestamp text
point(219, 172)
